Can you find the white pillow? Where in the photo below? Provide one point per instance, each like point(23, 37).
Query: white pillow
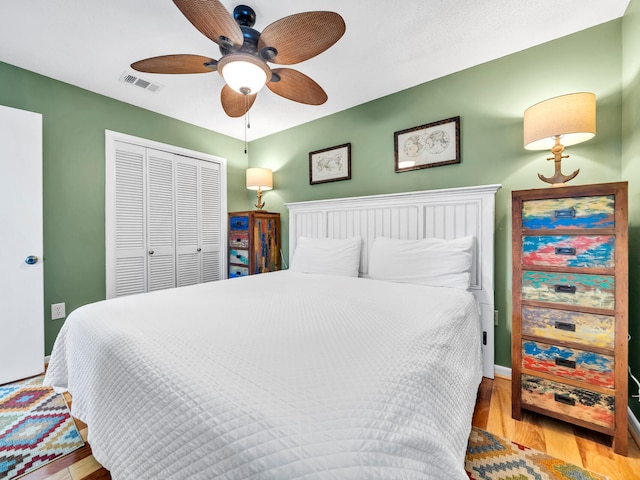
point(329, 256)
point(432, 261)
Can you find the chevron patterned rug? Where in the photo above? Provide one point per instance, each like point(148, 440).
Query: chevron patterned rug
point(35, 427)
point(490, 457)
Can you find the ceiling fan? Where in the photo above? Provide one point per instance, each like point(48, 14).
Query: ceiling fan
point(245, 52)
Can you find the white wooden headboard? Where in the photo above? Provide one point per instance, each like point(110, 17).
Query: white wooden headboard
point(446, 213)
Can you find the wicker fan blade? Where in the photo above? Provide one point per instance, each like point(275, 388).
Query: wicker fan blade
point(302, 36)
point(235, 104)
point(176, 64)
point(212, 19)
point(296, 86)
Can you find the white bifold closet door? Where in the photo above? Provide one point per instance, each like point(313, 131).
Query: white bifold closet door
point(166, 221)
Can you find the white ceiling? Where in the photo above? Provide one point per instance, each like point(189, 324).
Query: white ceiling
point(389, 45)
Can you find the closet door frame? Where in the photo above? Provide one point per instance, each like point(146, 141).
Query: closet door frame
point(111, 138)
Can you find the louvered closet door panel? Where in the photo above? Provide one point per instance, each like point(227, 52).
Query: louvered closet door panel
point(187, 222)
point(160, 220)
point(211, 222)
point(129, 209)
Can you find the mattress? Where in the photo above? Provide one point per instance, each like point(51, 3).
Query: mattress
point(276, 376)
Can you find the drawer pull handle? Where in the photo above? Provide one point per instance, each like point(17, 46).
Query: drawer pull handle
point(565, 250)
point(565, 213)
point(568, 327)
point(566, 399)
point(565, 288)
point(563, 362)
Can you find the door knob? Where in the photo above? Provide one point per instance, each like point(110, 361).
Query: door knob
point(150, 252)
point(198, 249)
point(31, 260)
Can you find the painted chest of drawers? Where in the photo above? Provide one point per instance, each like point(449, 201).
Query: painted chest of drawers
point(570, 295)
point(254, 243)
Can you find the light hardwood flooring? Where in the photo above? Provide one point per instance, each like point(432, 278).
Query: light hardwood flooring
point(493, 413)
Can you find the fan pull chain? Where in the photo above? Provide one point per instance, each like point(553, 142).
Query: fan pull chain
point(246, 123)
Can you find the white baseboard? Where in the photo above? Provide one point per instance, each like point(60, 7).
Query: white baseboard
point(503, 371)
point(634, 424)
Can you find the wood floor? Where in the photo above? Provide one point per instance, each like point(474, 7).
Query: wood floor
point(492, 413)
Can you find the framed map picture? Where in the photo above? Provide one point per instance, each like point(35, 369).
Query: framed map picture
point(330, 164)
point(429, 145)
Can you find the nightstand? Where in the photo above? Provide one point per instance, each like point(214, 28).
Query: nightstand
point(254, 243)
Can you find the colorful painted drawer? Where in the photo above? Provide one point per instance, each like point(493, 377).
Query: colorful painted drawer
point(583, 404)
point(583, 365)
point(239, 222)
point(588, 251)
point(569, 213)
point(239, 239)
point(239, 257)
point(238, 271)
point(582, 290)
point(587, 329)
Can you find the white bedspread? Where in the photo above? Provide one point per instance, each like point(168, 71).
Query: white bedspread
point(276, 376)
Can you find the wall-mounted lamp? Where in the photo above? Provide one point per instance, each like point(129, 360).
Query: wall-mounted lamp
point(259, 179)
point(557, 123)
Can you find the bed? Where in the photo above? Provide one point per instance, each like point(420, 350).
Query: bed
point(293, 374)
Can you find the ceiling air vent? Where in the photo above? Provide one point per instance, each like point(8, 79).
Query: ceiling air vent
point(139, 82)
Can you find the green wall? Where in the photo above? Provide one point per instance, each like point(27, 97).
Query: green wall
point(490, 99)
point(631, 173)
point(74, 121)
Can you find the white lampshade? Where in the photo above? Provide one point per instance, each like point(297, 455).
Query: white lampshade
point(572, 117)
point(259, 179)
point(244, 73)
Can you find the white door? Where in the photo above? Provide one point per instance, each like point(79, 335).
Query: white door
point(212, 222)
point(161, 272)
point(188, 248)
point(21, 266)
point(125, 228)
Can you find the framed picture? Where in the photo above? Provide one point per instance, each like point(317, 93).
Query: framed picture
point(429, 145)
point(330, 164)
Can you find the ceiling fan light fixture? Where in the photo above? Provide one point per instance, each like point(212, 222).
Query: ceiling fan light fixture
point(244, 73)
point(246, 51)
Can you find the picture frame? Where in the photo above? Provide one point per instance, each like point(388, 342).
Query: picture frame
point(426, 146)
point(330, 164)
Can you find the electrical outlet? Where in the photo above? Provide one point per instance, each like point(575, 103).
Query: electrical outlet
point(495, 317)
point(57, 311)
